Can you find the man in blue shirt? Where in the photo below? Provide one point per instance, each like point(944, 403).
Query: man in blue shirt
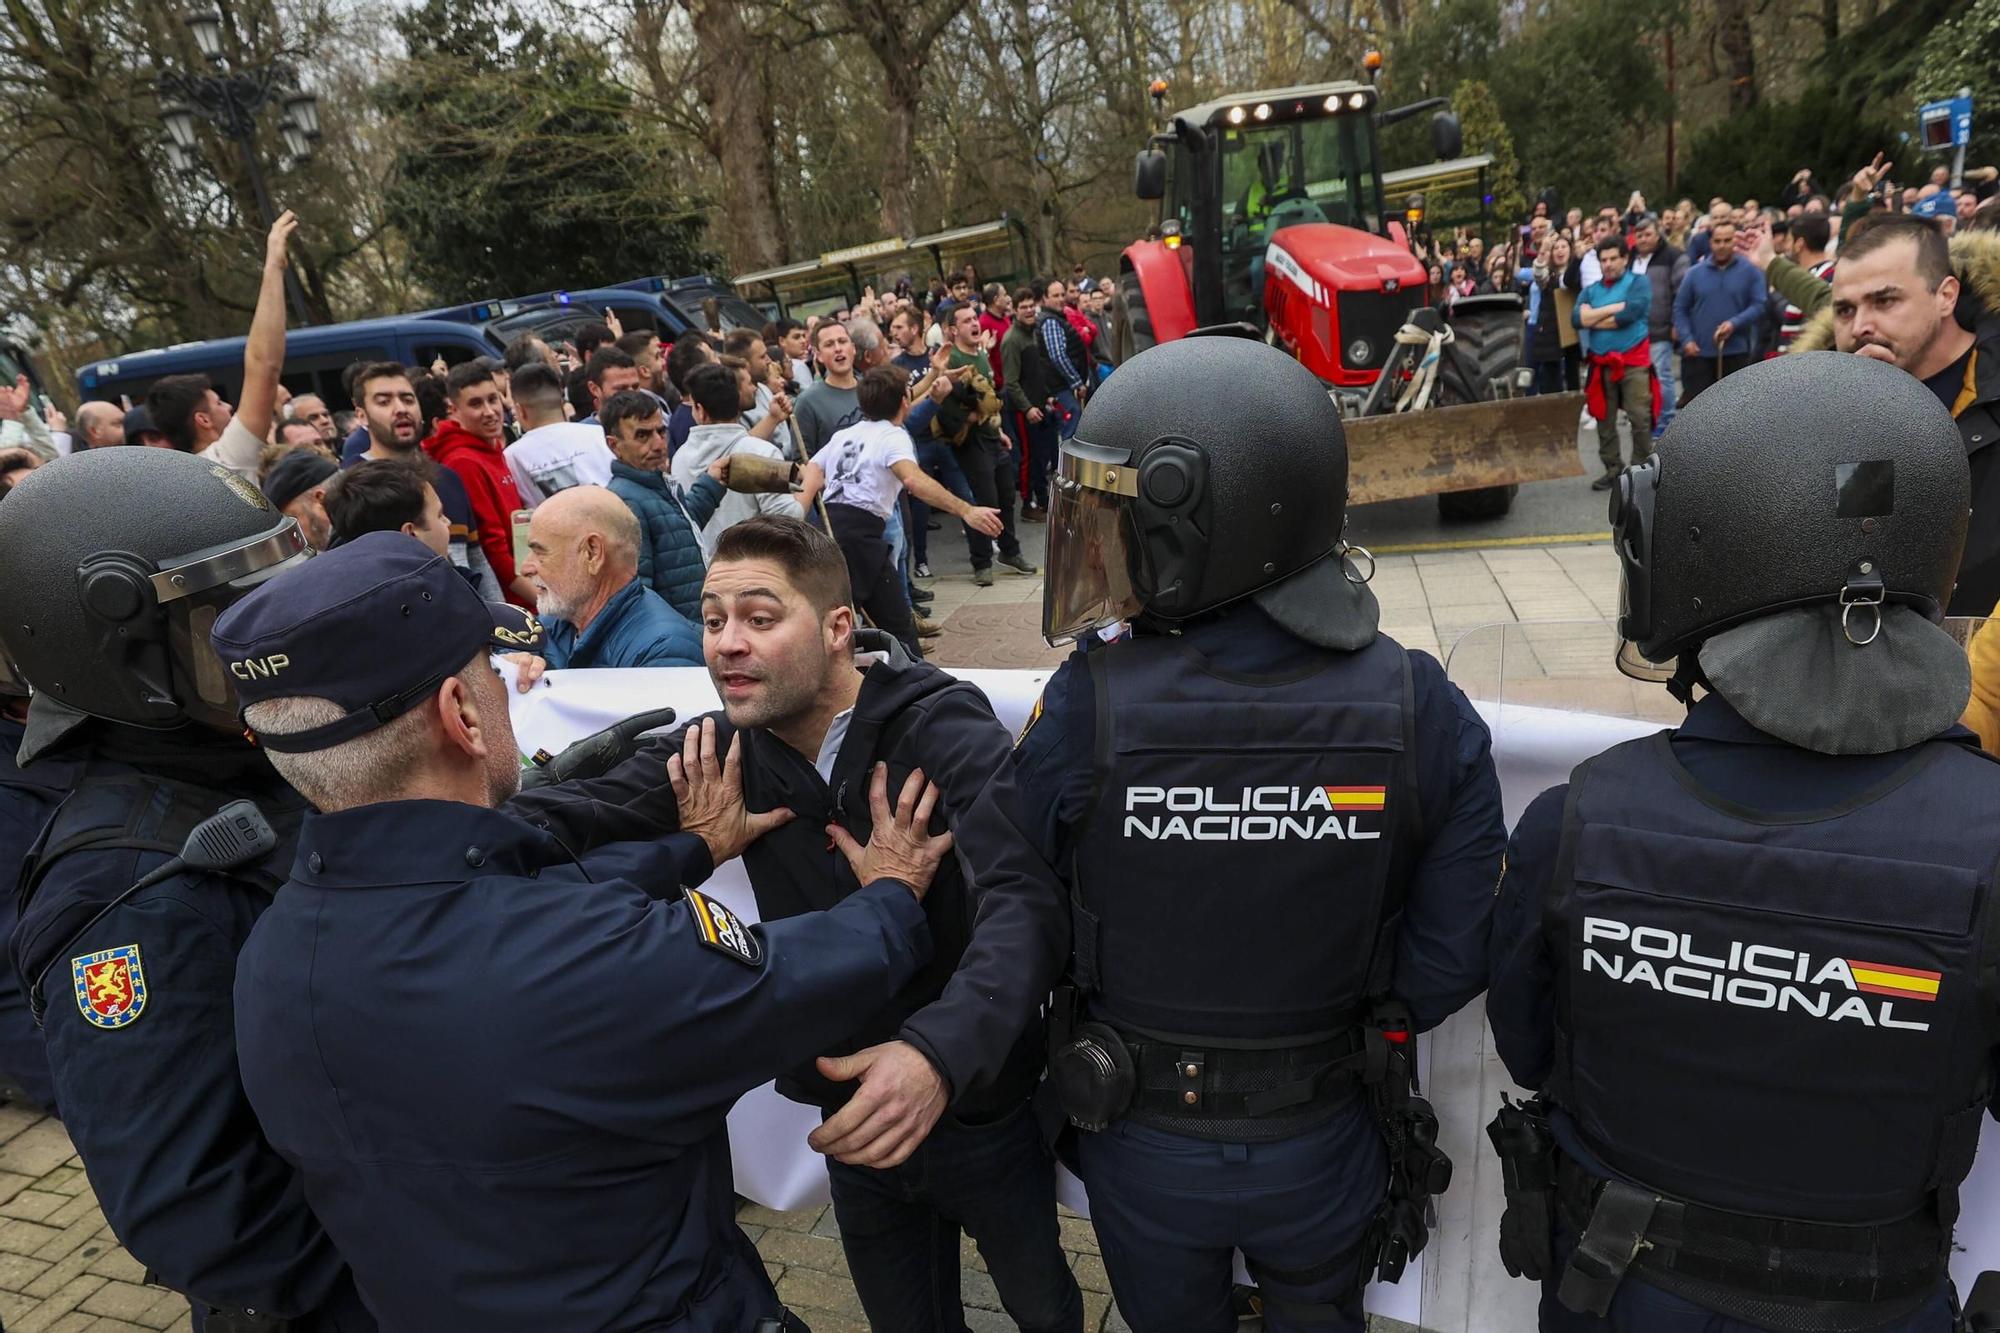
point(1716, 312)
point(1613, 315)
point(583, 558)
point(501, 1069)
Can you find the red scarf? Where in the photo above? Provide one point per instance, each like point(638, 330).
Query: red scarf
point(1613, 366)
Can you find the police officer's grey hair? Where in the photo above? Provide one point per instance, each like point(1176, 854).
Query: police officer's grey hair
point(362, 771)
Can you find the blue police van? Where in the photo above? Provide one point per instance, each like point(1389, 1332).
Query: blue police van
point(669, 306)
point(315, 358)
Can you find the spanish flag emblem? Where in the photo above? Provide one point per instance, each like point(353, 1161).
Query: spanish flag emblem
point(1356, 798)
point(1904, 983)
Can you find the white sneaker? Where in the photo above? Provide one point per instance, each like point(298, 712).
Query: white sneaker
point(923, 571)
point(1584, 418)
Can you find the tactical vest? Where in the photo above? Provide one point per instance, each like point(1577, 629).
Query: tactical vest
point(1240, 874)
point(1788, 1015)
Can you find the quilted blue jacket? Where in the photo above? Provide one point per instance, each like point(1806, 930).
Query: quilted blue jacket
point(670, 521)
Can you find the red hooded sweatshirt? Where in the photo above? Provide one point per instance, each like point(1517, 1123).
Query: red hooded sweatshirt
point(482, 467)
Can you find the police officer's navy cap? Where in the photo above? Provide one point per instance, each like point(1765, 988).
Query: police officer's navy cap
point(376, 625)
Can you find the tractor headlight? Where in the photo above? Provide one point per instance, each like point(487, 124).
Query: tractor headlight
point(1263, 111)
point(1355, 101)
point(1359, 351)
point(1333, 102)
point(1236, 114)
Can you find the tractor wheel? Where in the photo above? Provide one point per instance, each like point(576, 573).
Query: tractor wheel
point(1134, 324)
point(1486, 345)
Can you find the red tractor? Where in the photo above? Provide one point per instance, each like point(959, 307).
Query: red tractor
point(1273, 223)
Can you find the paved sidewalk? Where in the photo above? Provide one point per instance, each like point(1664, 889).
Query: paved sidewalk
point(61, 1270)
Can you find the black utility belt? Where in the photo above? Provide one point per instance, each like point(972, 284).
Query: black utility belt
point(1103, 1074)
point(1230, 1083)
point(1625, 1226)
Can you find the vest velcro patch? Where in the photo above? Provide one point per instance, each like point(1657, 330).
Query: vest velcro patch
point(722, 930)
point(110, 986)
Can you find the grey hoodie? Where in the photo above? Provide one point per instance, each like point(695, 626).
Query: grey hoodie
point(703, 446)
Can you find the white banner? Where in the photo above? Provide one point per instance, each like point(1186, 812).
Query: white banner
point(1533, 748)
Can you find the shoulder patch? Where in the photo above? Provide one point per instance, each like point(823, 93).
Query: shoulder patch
point(722, 930)
point(1034, 716)
point(110, 986)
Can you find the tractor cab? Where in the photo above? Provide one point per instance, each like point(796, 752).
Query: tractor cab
point(1272, 223)
point(1243, 168)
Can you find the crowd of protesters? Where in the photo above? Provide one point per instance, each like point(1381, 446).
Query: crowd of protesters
point(666, 446)
point(1645, 308)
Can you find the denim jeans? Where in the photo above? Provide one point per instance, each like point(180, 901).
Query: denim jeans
point(1043, 443)
point(1170, 1210)
point(1662, 351)
point(936, 458)
point(900, 1229)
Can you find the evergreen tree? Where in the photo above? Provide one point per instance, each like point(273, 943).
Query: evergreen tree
point(520, 167)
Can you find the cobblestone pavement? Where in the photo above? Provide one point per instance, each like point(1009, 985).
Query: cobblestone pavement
point(62, 1271)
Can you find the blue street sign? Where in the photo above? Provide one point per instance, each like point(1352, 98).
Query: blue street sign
point(1946, 124)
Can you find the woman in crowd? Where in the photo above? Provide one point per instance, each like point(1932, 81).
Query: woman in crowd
point(1556, 270)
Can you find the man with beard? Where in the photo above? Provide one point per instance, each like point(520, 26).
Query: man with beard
point(1903, 295)
point(396, 431)
point(927, 1128)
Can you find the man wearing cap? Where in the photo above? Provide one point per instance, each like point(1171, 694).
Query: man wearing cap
point(296, 487)
point(140, 430)
point(1747, 962)
point(542, 1145)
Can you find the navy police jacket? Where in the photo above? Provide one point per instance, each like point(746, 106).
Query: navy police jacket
point(1833, 919)
point(26, 801)
point(139, 1029)
point(503, 1071)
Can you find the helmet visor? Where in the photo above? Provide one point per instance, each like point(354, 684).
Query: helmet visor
point(202, 683)
point(1093, 553)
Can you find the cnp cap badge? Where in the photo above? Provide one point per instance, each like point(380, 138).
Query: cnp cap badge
point(110, 986)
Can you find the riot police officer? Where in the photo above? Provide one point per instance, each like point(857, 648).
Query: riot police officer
point(1747, 961)
point(1280, 831)
point(118, 561)
point(26, 800)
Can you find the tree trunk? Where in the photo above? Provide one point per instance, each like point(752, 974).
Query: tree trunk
point(739, 126)
point(1732, 25)
point(900, 92)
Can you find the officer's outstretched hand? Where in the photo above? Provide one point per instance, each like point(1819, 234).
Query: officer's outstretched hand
point(900, 845)
point(900, 1098)
point(710, 795)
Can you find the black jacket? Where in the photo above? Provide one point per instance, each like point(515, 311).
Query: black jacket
point(998, 942)
point(1978, 589)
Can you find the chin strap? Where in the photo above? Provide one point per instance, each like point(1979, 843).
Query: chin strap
point(1687, 675)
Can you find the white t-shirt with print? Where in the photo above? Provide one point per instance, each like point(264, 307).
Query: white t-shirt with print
point(857, 462)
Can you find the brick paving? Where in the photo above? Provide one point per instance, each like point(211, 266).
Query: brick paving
point(62, 1271)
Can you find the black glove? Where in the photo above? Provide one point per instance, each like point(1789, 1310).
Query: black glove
point(597, 753)
point(1527, 1236)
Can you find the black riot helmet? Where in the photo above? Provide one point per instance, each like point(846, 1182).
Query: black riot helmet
point(1816, 479)
point(1204, 471)
point(117, 562)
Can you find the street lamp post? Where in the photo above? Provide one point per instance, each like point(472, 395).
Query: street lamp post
point(230, 99)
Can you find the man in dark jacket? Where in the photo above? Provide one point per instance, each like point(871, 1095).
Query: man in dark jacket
point(928, 1128)
point(1664, 266)
point(1905, 295)
point(670, 519)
